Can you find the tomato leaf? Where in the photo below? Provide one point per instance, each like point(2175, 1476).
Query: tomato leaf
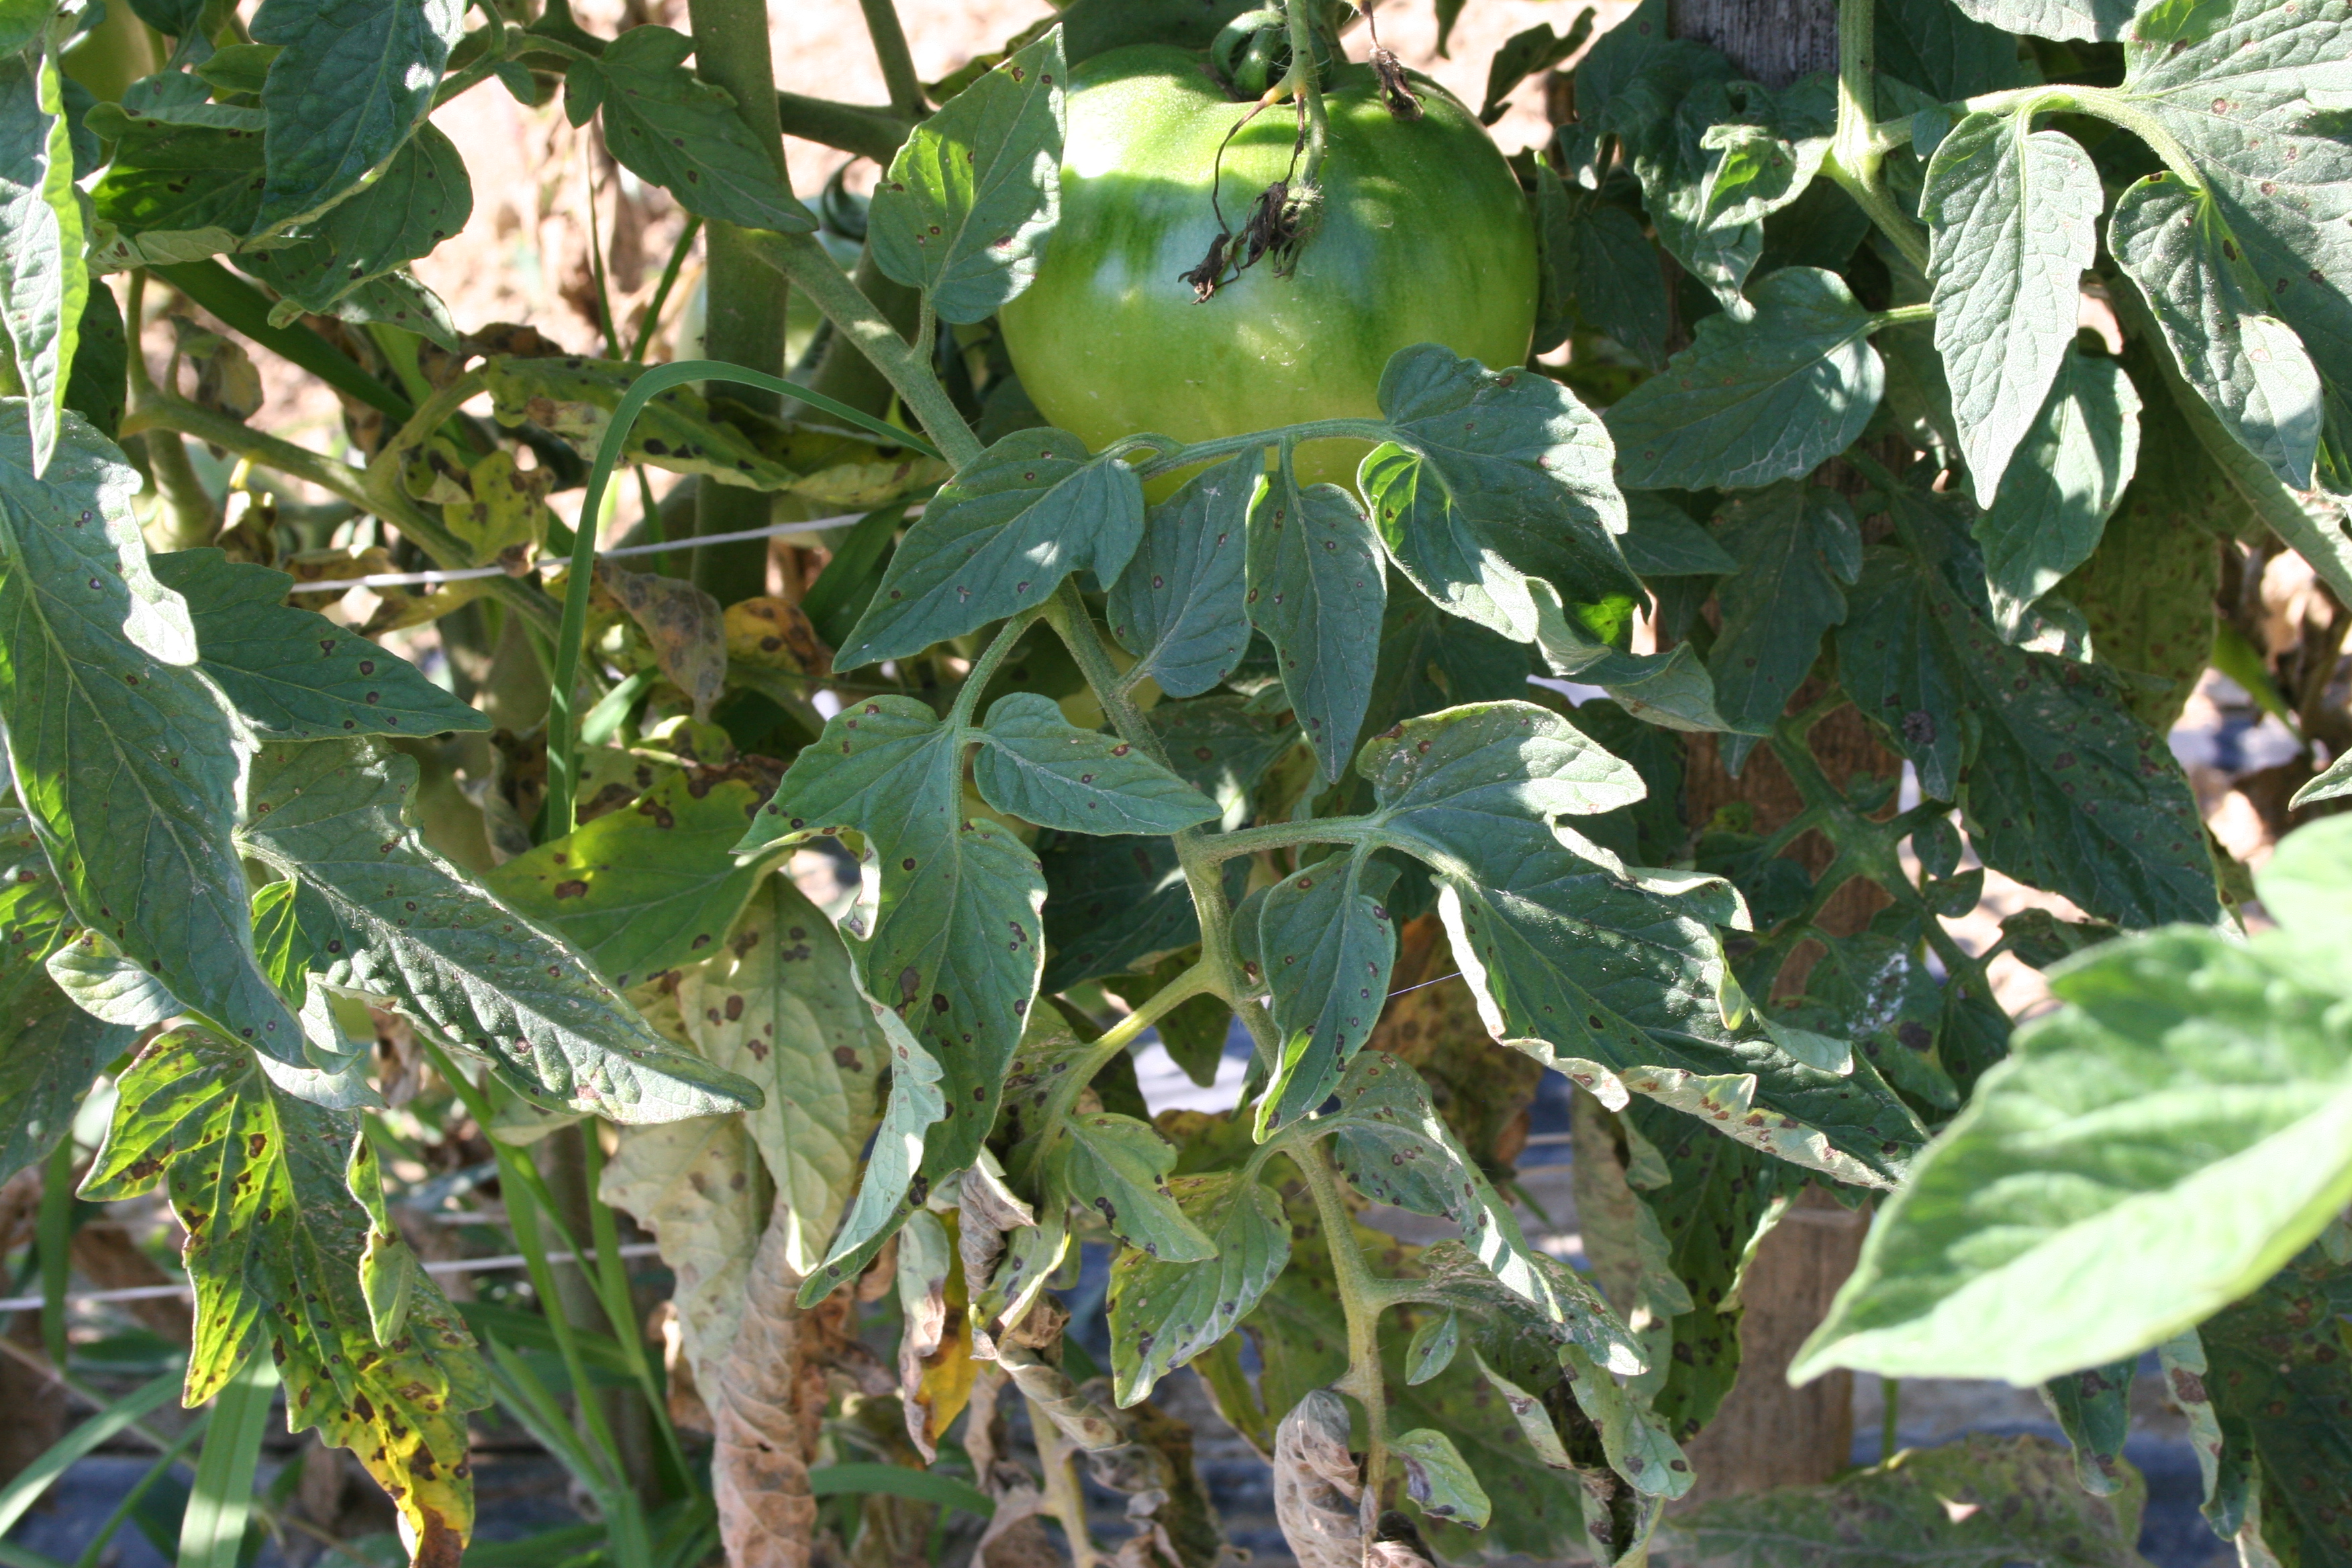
point(175, 193)
point(951, 921)
point(971, 200)
point(2013, 215)
point(1164, 1312)
point(2065, 481)
point(1180, 607)
point(1491, 477)
point(352, 81)
point(44, 277)
point(998, 539)
point(123, 754)
point(1795, 544)
point(386, 916)
point(644, 888)
point(2102, 19)
point(2187, 1069)
point(1438, 1481)
point(1933, 44)
point(420, 200)
point(693, 1184)
point(1316, 588)
point(2062, 787)
point(672, 129)
point(1325, 942)
point(1523, 54)
point(1755, 401)
point(892, 1187)
point(292, 674)
point(2278, 1378)
point(1036, 765)
point(1118, 1167)
point(284, 1202)
point(1600, 268)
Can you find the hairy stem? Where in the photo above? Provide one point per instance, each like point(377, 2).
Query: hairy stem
point(1065, 1500)
point(1362, 1297)
point(984, 667)
point(1283, 835)
point(801, 260)
point(1298, 16)
point(1855, 161)
point(872, 132)
point(898, 62)
point(1902, 316)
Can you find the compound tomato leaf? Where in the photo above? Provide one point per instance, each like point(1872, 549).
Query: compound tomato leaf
point(123, 754)
point(2012, 218)
point(1489, 479)
point(893, 1186)
point(1180, 607)
point(1438, 1481)
point(420, 200)
point(292, 674)
point(2062, 787)
point(1163, 1312)
point(386, 916)
point(279, 1195)
point(971, 199)
point(1752, 402)
point(998, 539)
point(1325, 944)
point(672, 129)
point(44, 277)
point(645, 888)
point(1118, 1167)
point(1036, 765)
point(1795, 544)
point(2065, 481)
point(2040, 1233)
point(352, 81)
point(780, 1004)
point(1316, 589)
point(2220, 323)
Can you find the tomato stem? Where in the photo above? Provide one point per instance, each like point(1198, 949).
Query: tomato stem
point(897, 62)
point(1302, 81)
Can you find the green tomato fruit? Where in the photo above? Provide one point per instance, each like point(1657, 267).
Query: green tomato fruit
point(1425, 237)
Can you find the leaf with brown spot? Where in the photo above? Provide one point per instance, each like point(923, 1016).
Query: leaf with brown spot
point(684, 625)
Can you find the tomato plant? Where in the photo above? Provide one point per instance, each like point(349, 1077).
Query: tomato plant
point(1258, 570)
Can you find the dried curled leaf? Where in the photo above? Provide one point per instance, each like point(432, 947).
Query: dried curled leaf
point(767, 1410)
point(1316, 1484)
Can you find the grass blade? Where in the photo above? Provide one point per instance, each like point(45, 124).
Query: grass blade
point(36, 1478)
point(922, 1486)
point(212, 1531)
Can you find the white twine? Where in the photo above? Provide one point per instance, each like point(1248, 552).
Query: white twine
point(438, 1266)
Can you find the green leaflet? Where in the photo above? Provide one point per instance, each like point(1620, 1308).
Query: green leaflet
point(2012, 217)
point(1903, 1512)
point(1473, 789)
point(2065, 482)
point(1794, 544)
point(951, 932)
point(1431, 660)
point(1661, 540)
point(674, 129)
point(1431, 1349)
point(1754, 401)
point(1438, 1481)
point(893, 1186)
point(1390, 1143)
point(2024, 741)
point(2278, 1378)
point(422, 198)
point(353, 80)
point(1180, 607)
point(1163, 1313)
point(1598, 266)
point(292, 674)
point(2044, 1230)
point(575, 397)
point(395, 300)
point(1489, 479)
point(100, 387)
point(44, 278)
point(1523, 54)
point(123, 755)
point(175, 193)
point(50, 1050)
point(1317, 585)
point(276, 1194)
point(1325, 942)
point(1036, 765)
point(650, 886)
point(386, 916)
point(1730, 154)
point(1931, 45)
point(2094, 1409)
point(1118, 1167)
point(780, 1006)
point(971, 199)
point(2276, 168)
point(998, 539)
point(2054, 18)
point(2218, 318)
point(1672, 689)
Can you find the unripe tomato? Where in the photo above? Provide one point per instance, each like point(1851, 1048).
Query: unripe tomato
point(1425, 237)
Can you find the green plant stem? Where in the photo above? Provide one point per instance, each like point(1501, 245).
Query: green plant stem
point(984, 667)
point(1297, 16)
point(53, 1230)
point(242, 306)
point(1171, 458)
point(1901, 316)
point(745, 310)
point(165, 412)
point(1890, 1414)
point(872, 132)
point(897, 62)
point(1855, 161)
point(1064, 1497)
point(651, 323)
point(812, 270)
point(1197, 981)
point(1283, 835)
point(1362, 1297)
